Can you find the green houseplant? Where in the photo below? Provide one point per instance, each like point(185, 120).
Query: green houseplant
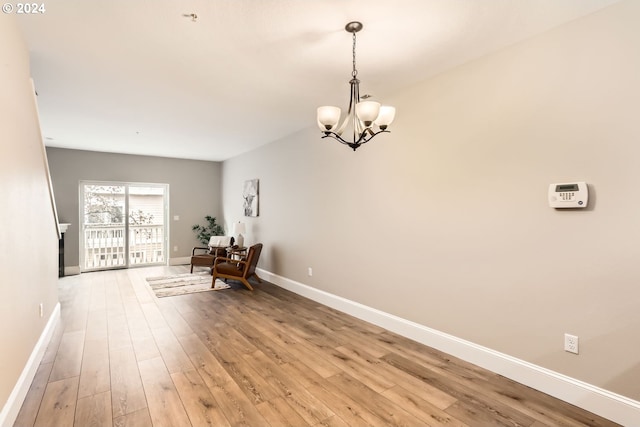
point(204, 232)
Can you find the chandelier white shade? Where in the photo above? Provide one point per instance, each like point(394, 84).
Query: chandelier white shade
point(328, 117)
point(365, 119)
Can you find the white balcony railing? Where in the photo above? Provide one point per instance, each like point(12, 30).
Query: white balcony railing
point(146, 244)
point(104, 246)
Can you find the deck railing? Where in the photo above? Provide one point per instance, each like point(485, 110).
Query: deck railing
point(104, 246)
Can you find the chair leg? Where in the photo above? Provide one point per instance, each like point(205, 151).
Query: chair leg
point(213, 279)
point(257, 278)
point(246, 283)
point(191, 268)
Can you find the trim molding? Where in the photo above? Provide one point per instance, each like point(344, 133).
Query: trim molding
point(612, 406)
point(72, 271)
point(16, 398)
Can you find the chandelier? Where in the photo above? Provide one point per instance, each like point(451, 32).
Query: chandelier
point(365, 119)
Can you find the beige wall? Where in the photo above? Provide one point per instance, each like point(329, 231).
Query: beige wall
point(194, 190)
point(29, 243)
point(445, 221)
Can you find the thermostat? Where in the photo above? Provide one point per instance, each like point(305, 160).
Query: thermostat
point(568, 195)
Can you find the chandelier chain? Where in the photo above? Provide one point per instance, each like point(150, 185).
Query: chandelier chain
point(354, 73)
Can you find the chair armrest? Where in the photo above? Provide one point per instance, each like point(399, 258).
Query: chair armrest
point(193, 251)
point(229, 260)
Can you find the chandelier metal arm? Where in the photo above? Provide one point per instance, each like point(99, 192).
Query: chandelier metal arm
point(350, 117)
point(360, 141)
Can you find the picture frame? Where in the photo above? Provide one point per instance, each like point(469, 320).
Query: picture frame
point(250, 196)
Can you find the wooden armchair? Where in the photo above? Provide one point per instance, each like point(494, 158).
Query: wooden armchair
point(217, 247)
point(242, 270)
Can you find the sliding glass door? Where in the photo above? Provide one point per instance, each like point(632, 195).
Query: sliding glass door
point(123, 225)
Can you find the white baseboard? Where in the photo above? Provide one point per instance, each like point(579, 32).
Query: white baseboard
point(75, 269)
point(72, 271)
point(602, 402)
point(16, 398)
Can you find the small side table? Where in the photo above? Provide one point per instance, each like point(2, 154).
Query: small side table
point(237, 253)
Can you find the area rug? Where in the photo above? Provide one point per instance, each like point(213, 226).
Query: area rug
point(185, 283)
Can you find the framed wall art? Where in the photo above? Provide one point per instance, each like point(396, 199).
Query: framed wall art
point(250, 196)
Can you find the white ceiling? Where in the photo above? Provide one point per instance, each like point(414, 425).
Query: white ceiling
point(137, 77)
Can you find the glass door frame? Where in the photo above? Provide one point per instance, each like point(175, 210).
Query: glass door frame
point(127, 225)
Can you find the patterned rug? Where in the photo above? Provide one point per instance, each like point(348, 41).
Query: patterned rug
point(185, 283)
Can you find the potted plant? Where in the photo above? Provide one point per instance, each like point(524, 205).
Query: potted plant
point(204, 232)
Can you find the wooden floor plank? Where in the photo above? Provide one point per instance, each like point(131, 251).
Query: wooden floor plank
point(95, 374)
point(235, 405)
point(363, 369)
point(380, 406)
point(68, 362)
point(536, 405)
point(58, 403)
point(94, 411)
point(122, 357)
point(344, 406)
point(140, 418)
point(273, 373)
point(141, 337)
point(173, 318)
point(278, 412)
point(433, 395)
point(127, 393)
point(302, 373)
point(54, 344)
point(314, 360)
point(333, 421)
point(145, 347)
point(312, 409)
point(421, 408)
point(253, 384)
point(31, 404)
point(119, 336)
point(210, 369)
point(162, 397)
point(172, 352)
point(468, 400)
point(201, 407)
point(260, 341)
point(155, 320)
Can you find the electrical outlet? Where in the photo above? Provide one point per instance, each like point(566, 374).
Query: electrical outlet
point(175, 249)
point(41, 310)
point(310, 272)
point(571, 343)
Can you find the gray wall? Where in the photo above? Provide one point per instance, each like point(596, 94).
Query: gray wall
point(29, 243)
point(445, 221)
point(194, 190)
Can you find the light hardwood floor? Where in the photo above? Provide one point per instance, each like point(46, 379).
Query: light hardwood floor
point(122, 357)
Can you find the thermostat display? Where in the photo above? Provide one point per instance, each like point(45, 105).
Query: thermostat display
point(568, 195)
